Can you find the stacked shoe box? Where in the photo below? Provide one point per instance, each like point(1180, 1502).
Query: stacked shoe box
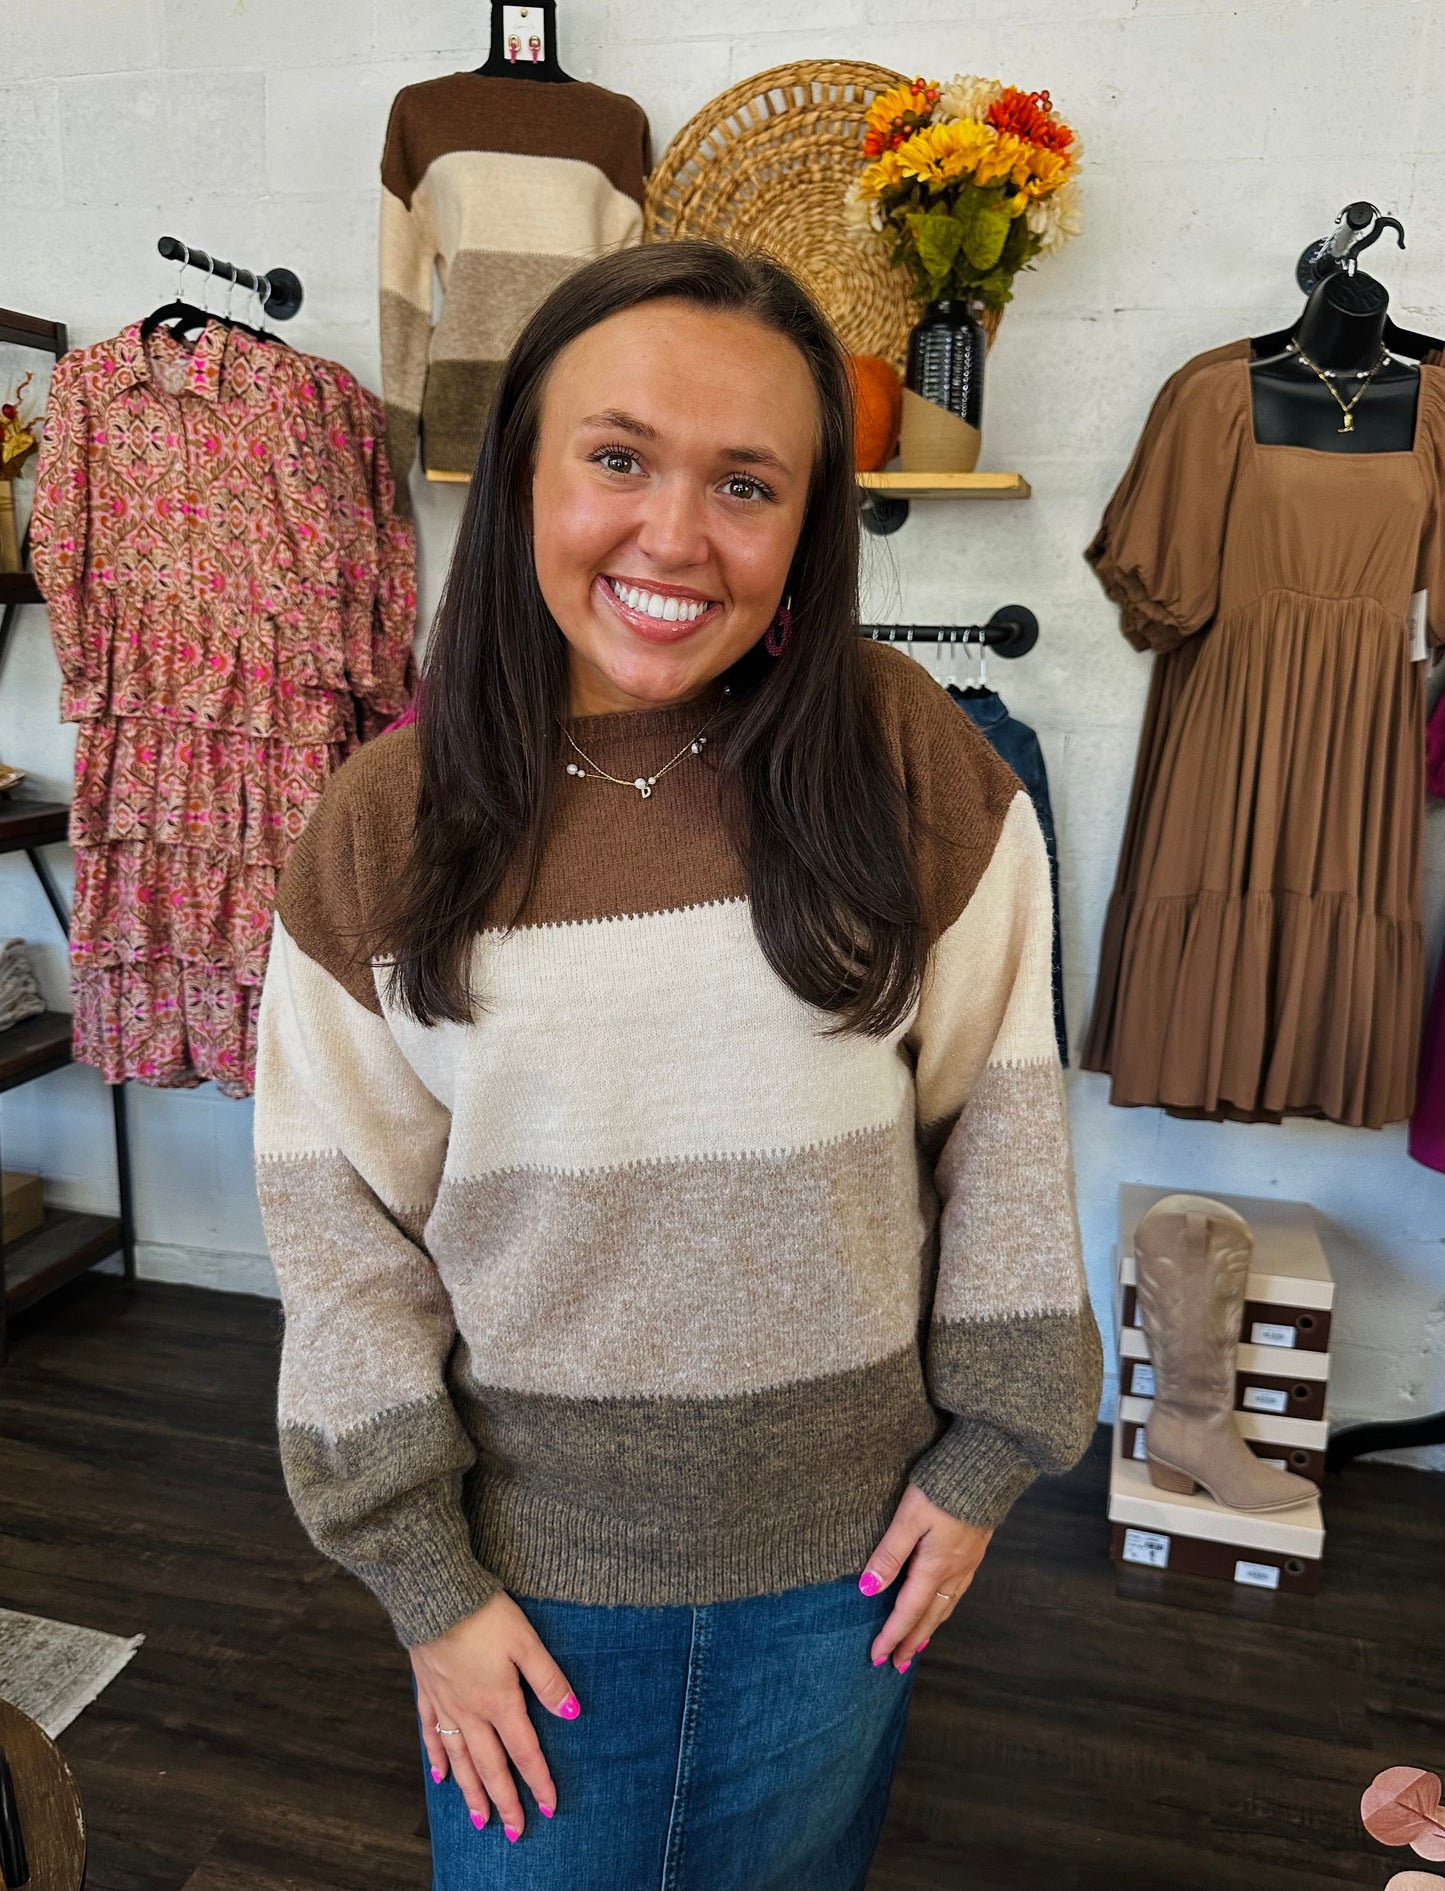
point(1281, 1387)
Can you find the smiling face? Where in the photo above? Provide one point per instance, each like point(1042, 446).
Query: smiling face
point(673, 456)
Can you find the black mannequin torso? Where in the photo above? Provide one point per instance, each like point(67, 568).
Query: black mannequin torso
point(1342, 329)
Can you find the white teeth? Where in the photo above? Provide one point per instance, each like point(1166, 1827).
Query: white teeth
point(671, 610)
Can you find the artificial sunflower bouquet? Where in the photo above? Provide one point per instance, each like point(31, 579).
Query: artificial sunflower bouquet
point(19, 438)
point(973, 179)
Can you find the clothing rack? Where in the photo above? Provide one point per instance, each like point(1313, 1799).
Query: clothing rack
point(279, 289)
point(1012, 631)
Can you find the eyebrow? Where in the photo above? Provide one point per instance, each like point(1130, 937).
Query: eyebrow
point(629, 423)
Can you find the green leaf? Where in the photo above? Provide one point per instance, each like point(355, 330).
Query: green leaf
point(985, 233)
point(936, 237)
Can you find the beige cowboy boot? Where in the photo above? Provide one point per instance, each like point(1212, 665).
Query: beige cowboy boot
point(1192, 1261)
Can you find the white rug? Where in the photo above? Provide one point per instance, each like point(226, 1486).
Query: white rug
point(50, 1670)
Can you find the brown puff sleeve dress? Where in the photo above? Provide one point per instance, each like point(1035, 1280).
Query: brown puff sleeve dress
point(1263, 951)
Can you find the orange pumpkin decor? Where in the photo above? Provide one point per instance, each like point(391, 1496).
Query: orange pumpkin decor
point(877, 411)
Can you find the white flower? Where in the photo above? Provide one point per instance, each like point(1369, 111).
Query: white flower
point(966, 96)
point(1054, 219)
point(862, 215)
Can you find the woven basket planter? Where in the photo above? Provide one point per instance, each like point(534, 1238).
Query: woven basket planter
point(765, 167)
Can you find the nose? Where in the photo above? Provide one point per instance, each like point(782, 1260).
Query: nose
point(672, 531)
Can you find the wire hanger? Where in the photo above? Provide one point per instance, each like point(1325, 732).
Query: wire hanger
point(182, 314)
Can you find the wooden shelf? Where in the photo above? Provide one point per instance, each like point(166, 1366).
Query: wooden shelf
point(31, 823)
point(19, 587)
point(67, 1244)
point(34, 1047)
point(946, 485)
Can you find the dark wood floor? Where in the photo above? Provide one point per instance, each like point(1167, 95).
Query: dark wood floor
point(1075, 1727)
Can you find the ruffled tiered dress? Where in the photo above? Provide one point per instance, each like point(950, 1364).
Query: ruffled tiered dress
point(1262, 955)
point(232, 601)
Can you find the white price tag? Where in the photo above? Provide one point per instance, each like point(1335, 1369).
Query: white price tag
point(1141, 1444)
point(1146, 1546)
point(1275, 1464)
point(1143, 1380)
point(1419, 608)
point(1265, 1398)
point(1257, 1575)
point(1261, 1333)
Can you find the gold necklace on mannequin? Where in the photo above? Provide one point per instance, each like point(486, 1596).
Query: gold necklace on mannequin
point(1346, 408)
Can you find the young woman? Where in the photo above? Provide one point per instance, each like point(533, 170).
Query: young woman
point(660, 1133)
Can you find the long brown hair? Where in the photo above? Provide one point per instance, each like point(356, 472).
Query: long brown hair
point(810, 796)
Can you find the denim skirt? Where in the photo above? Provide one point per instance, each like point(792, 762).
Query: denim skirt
point(738, 1746)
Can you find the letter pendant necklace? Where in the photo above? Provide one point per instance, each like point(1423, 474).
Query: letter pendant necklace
point(644, 784)
point(1346, 408)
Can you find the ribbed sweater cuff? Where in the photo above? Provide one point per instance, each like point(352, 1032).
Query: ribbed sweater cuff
point(439, 1585)
point(975, 1472)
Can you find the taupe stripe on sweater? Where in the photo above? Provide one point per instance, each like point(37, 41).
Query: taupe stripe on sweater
point(641, 1288)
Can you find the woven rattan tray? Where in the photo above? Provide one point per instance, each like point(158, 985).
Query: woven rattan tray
point(765, 166)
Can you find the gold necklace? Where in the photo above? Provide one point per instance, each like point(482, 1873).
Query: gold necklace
point(644, 784)
point(1346, 408)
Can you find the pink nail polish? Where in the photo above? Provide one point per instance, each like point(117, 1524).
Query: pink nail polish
point(923, 1644)
point(546, 1811)
point(479, 1819)
point(904, 1666)
point(510, 1833)
point(869, 1583)
point(570, 1708)
point(438, 1777)
point(878, 1660)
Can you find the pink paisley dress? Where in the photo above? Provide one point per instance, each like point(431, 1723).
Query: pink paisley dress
point(232, 598)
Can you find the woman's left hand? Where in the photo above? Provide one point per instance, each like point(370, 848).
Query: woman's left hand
point(944, 1555)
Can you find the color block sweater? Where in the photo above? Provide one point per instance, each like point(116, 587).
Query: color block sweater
point(503, 187)
point(640, 1288)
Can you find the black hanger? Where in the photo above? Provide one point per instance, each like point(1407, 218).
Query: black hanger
point(1400, 341)
point(499, 66)
point(185, 315)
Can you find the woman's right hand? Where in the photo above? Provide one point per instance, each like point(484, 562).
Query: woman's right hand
point(471, 1678)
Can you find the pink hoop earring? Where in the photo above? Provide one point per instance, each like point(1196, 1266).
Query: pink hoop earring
point(778, 632)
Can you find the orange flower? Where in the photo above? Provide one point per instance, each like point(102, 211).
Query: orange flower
point(1029, 115)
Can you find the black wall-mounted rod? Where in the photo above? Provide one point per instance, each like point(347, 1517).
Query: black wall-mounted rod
point(1012, 631)
point(280, 288)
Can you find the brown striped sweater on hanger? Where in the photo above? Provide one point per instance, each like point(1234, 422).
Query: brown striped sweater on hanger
point(640, 1288)
point(503, 187)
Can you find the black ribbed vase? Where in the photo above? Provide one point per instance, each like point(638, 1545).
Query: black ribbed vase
point(945, 368)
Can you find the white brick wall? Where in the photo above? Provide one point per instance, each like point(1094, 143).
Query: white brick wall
point(1221, 136)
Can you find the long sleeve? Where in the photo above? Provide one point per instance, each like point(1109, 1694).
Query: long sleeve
point(350, 1147)
point(408, 254)
point(1012, 1349)
point(60, 541)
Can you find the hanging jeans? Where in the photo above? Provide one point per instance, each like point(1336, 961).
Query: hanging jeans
point(1017, 744)
point(737, 1746)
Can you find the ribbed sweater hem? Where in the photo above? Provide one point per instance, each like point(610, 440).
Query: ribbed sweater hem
point(539, 1547)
